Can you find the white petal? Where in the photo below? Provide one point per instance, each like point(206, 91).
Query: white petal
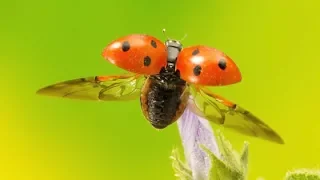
point(195, 130)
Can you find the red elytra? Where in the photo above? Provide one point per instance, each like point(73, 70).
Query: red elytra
point(207, 66)
point(142, 54)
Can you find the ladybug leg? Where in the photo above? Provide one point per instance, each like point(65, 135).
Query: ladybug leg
point(185, 92)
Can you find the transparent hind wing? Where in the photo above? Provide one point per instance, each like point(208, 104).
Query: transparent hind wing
point(204, 107)
point(98, 88)
point(223, 112)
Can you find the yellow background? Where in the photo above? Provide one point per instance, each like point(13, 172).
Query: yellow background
point(274, 43)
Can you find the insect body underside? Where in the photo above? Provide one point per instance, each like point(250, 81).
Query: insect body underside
point(163, 99)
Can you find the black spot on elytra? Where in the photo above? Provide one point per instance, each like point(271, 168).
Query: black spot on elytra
point(153, 44)
point(195, 52)
point(146, 61)
point(197, 70)
point(222, 64)
point(125, 46)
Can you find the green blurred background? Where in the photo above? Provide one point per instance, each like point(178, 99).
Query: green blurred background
point(275, 44)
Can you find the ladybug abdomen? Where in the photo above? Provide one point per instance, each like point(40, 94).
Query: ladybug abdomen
point(163, 99)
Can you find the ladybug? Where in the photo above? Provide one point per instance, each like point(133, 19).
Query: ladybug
point(167, 77)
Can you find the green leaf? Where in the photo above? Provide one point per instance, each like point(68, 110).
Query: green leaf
point(229, 156)
point(181, 170)
point(303, 174)
point(232, 165)
point(244, 157)
point(221, 170)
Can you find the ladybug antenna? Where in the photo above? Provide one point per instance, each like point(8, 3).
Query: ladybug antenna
point(183, 37)
point(164, 33)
